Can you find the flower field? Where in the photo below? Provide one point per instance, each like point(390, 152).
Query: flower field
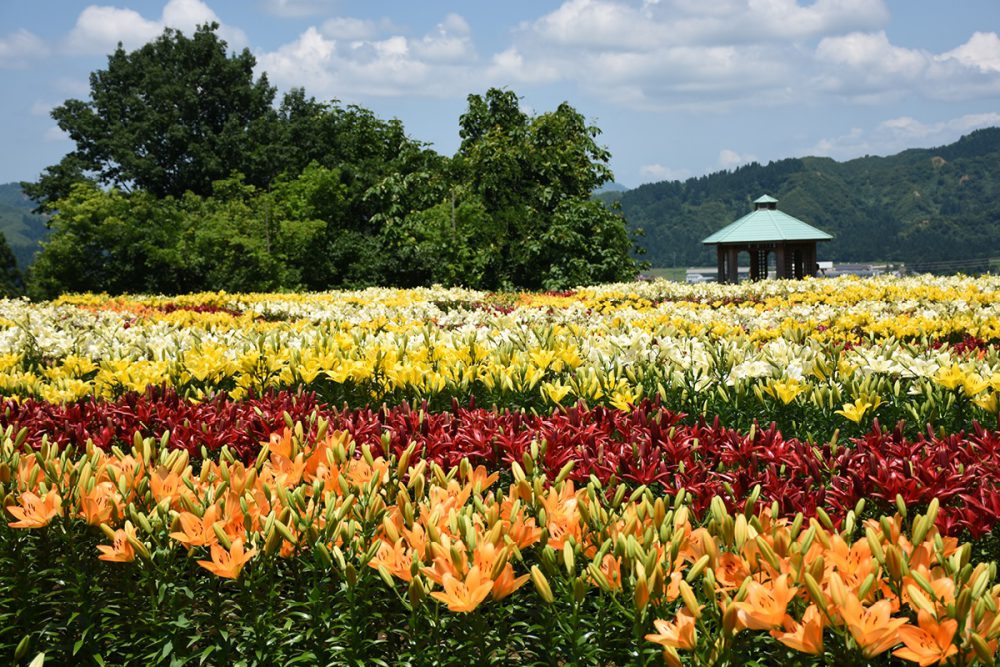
point(789, 472)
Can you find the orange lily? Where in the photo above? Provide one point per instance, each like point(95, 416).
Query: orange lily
point(395, 558)
point(167, 484)
point(97, 505)
point(872, 627)
point(229, 563)
point(611, 568)
point(731, 571)
point(680, 634)
point(524, 531)
point(197, 531)
point(764, 606)
point(506, 583)
point(806, 636)
point(480, 479)
point(120, 550)
point(35, 512)
point(465, 595)
point(929, 644)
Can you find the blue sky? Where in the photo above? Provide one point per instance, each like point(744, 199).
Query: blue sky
point(680, 88)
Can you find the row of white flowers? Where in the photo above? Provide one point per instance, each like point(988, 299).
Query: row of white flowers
point(864, 342)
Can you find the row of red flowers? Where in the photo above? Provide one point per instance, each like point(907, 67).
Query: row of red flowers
point(647, 445)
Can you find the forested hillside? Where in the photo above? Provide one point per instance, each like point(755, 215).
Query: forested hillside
point(922, 205)
point(22, 228)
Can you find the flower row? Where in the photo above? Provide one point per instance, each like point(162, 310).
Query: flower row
point(736, 585)
point(646, 445)
point(755, 353)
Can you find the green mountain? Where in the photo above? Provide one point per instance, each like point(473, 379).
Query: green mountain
point(24, 230)
point(919, 207)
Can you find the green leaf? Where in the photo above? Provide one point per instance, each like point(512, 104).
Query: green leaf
point(167, 648)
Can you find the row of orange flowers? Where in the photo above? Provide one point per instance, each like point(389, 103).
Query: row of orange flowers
point(456, 537)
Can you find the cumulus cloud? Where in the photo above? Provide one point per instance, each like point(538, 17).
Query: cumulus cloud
point(897, 134)
point(18, 48)
point(347, 57)
point(659, 172)
point(730, 159)
point(714, 56)
point(982, 52)
point(99, 28)
point(867, 67)
point(348, 28)
point(298, 8)
point(681, 53)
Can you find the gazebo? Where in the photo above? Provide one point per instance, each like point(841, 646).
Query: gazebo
point(764, 231)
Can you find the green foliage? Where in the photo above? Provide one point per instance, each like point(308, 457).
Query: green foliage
point(173, 116)
point(185, 177)
point(243, 240)
point(110, 241)
point(238, 239)
point(918, 207)
point(534, 176)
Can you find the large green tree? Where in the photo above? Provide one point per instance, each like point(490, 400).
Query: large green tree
point(535, 175)
point(185, 177)
point(170, 117)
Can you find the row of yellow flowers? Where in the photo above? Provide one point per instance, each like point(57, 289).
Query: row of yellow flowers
point(449, 537)
point(851, 348)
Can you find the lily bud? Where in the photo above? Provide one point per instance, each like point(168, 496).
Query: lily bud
point(541, 584)
point(687, 595)
point(919, 600)
point(982, 649)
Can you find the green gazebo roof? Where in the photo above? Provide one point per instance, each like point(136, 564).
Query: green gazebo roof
point(766, 224)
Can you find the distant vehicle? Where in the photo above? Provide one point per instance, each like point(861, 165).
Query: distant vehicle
point(695, 278)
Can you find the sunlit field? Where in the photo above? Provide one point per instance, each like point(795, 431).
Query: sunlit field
point(782, 472)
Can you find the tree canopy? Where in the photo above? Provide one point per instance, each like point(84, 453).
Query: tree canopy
point(168, 118)
point(187, 176)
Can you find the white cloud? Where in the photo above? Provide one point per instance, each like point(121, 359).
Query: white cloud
point(866, 50)
point(715, 56)
point(669, 54)
point(897, 134)
point(659, 172)
point(450, 42)
point(730, 159)
point(867, 67)
point(346, 59)
point(348, 28)
point(99, 29)
point(982, 52)
point(18, 48)
point(298, 8)
point(594, 24)
point(509, 67)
